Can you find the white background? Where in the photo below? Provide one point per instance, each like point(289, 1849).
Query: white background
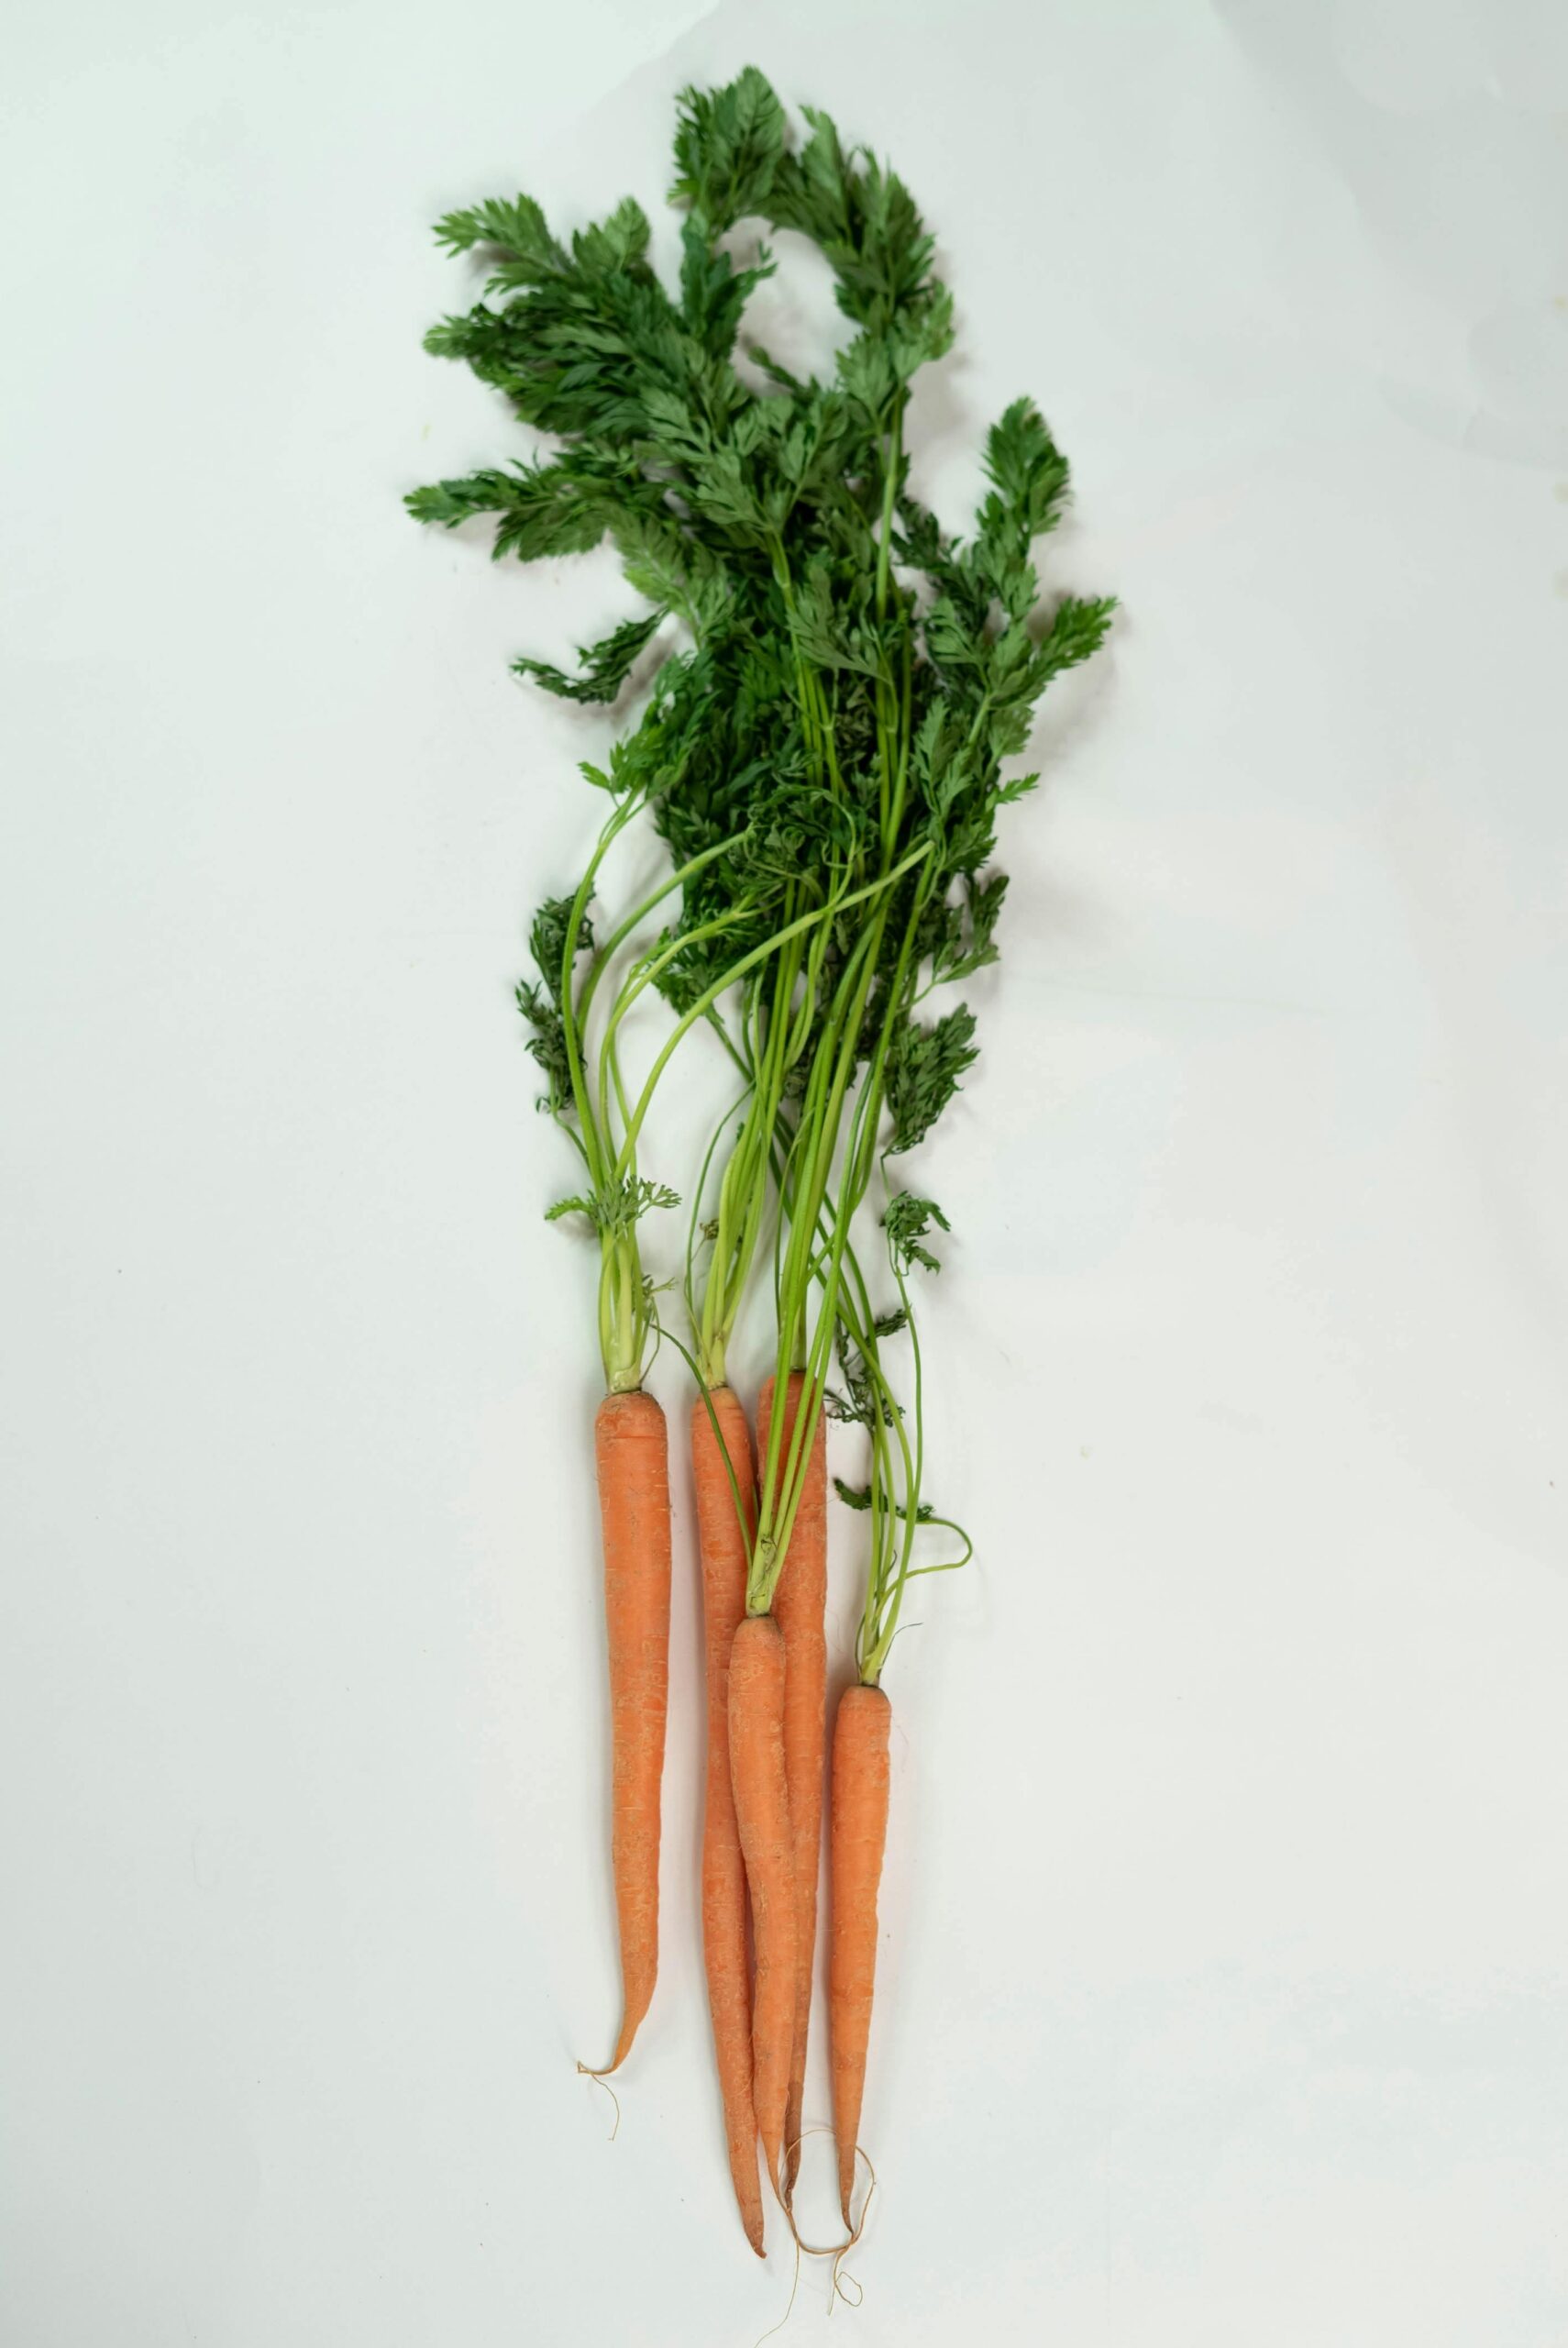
point(1222, 1996)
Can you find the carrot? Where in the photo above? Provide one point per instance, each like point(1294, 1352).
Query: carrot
point(762, 1812)
point(633, 1458)
point(722, 1540)
point(811, 946)
point(797, 1606)
point(857, 1837)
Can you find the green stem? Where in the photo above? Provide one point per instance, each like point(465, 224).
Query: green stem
point(748, 962)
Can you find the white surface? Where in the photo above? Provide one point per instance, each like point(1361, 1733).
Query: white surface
point(1222, 1999)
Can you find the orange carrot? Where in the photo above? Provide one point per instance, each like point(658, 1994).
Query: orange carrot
point(858, 1836)
point(762, 1812)
point(797, 1605)
point(722, 1540)
point(634, 1501)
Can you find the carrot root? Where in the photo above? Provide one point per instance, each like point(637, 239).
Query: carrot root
point(799, 1605)
point(858, 1838)
point(632, 1456)
point(762, 1812)
point(722, 1545)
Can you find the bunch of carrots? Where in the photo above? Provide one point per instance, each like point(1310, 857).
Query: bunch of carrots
point(822, 751)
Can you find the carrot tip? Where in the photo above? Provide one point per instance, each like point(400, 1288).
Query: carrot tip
point(846, 2195)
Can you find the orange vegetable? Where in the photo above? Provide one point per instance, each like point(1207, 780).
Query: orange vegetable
point(633, 1458)
point(858, 1835)
point(762, 1812)
point(797, 1606)
point(722, 1540)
